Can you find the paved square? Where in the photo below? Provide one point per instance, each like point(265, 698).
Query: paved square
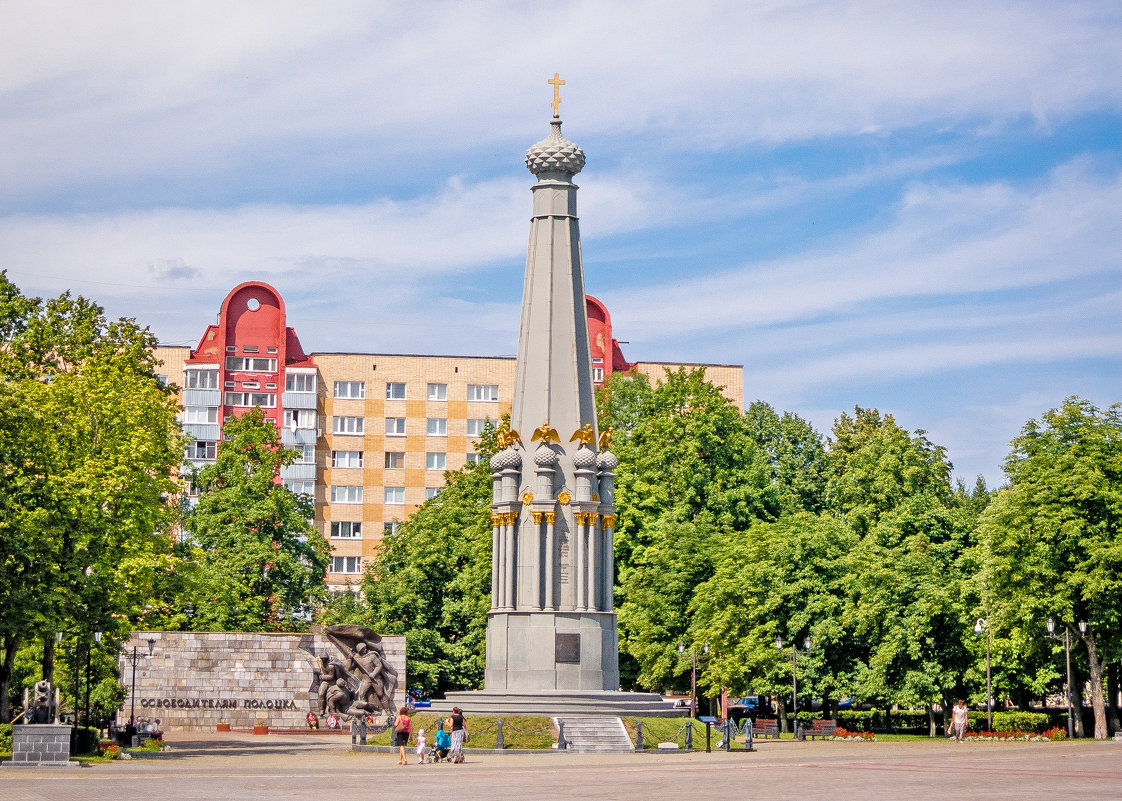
point(300, 767)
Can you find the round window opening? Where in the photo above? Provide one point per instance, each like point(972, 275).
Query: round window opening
point(253, 304)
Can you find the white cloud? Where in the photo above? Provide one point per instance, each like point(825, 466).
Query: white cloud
point(98, 91)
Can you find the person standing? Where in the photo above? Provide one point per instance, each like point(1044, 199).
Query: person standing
point(420, 749)
point(401, 726)
point(959, 721)
point(459, 733)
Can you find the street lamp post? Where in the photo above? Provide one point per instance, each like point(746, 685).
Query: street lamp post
point(981, 625)
point(1051, 623)
point(794, 676)
point(693, 674)
point(151, 648)
point(97, 640)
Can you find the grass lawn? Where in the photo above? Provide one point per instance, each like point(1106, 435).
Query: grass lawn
point(668, 730)
point(518, 731)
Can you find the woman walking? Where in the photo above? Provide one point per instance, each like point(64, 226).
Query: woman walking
point(401, 726)
point(459, 733)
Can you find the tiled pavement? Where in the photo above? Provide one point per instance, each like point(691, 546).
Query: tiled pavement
point(280, 767)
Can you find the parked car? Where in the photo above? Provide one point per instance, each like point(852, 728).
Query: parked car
point(750, 706)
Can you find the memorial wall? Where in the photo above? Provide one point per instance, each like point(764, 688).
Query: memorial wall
point(195, 680)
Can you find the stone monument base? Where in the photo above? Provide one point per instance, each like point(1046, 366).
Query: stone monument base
point(42, 745)
point(557, 703)
point(546, 650)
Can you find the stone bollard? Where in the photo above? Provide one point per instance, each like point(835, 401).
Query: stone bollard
point(748, 735)
point(638, 735)
point(561, 744)
point(689, 734)
point(362, 730)
point(499, 735)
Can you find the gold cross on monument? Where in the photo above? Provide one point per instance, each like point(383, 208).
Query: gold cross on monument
point(557, 83)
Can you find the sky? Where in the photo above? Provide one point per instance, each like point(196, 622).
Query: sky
point(908, 206)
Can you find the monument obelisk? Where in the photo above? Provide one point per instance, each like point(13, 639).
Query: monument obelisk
point(552, 642)
point(552, 624)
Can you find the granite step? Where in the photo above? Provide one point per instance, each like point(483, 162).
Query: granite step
point(595, 735)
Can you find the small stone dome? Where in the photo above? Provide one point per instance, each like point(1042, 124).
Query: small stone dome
point(607, 461)
point(545, 457)
point(505, 459)
point(584, 458)
point(555, 154)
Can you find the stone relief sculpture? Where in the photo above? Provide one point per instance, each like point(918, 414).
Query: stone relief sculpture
point(361, 683)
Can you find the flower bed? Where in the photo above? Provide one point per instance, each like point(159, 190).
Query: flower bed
point(1051, 735)
point(845, 734)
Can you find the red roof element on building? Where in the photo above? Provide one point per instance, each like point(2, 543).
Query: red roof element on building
point(604, 346)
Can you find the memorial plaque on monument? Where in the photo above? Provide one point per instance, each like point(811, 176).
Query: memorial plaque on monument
point(568, 649)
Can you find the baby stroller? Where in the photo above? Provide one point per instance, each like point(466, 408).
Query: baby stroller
point(440, 747)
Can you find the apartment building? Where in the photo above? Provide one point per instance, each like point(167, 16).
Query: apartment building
point(375, 432)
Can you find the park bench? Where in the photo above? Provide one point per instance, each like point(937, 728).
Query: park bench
point(765, 728)
point(820, 728)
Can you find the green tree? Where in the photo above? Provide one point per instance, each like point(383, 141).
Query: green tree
point(432, 581)
point(790, 579)
point(262, 562)
point(1051, 539)
point(88, 443)
point(796, 456)
point(690, 473)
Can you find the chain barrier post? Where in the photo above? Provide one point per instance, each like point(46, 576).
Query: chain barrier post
point(499, 735)
point(561, 744)
point(731, 730)
point(689, 735)
point(748, 735)
point(354, 731)
point(362, 730)
point(638, 735)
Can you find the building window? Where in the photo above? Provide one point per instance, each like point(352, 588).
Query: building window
point(270, 385)
point(250, 349)
point(306, 454)
point(598, 374)
point(200, 414)
point(295, 418)
point(266, 400)
point(431, 492)
point(395, 495)
point(299, 382)
point(346, 530)
point(395, 459)
point(251, 385)
point(251, 364)
point(395, 426)
point(346, 564)
point(395, 390)
point(474, 458)
point(435, 461)
point(300, 486)
point(347, 425)
point(202, 379)
point(475, 426)
point(437, 427)
point(346, 494)
point(389, 529)
point(438, 392)
point(202, 449)
point(270, 349)
point(483, 392)
point(597, 360)
point(346, 458)
point(350, 389)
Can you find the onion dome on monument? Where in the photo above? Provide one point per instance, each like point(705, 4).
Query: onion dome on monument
point(544, 456)
point(607, 461)
point(555, 154)
point(506, 459)
point(584, 458)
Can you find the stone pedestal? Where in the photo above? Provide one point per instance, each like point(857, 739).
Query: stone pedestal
point(552, 651)
point(44, 745)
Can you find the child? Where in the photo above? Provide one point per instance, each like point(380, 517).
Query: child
point(421, 747)
point(443, 743)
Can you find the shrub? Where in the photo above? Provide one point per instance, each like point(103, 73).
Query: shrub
point(86, 740)
point(108, 748)
point(1020, 721)
point(6, 738)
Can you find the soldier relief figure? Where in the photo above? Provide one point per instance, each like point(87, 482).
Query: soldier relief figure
point(362, 683)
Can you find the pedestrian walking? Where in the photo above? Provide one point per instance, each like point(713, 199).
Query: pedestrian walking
point(401, 726)
point(459, 734)
point(960, 720)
